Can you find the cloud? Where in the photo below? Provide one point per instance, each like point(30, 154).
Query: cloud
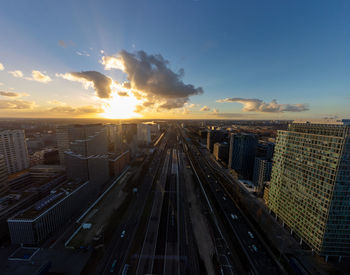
point(257, 105)
point(16, 73)
point(120, 93)
point(9, 94)
point(151, 79)
point(1, 67)
point(16, 104)
point(112, 62)
point(40, 77)
point(100, 82)
point(83, 53)
point(63, 107)
point(205, 109)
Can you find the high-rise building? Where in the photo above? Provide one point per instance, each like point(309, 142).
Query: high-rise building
point(87, 157)
point(3, 176)
point(14, 148)
point(242, 153)
point(144, 133)
point(62, 137)
point(214, 136)
point(220, 151)
point(262, 173)
point(310, 184)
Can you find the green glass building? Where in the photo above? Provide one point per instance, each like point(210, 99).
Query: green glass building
point(310, 184)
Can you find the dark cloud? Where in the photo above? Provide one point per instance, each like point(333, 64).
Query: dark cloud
point(100, 82)
point(151, 75)
point(9, 94)
point(257, 105)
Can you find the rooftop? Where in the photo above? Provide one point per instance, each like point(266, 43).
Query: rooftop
point(56, 195)
point(345, 122)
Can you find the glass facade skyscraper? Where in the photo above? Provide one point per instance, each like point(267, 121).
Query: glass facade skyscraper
point(310, 184)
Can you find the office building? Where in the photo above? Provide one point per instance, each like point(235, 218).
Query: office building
point(220, 151)
point(262, 173)
point(144, 133)
point(87, 157)
point(14, 148)
point(3, 176)
point(63, 140)
point(214, 136)
point(310, 184)
point(33, 225)
point(242, 154)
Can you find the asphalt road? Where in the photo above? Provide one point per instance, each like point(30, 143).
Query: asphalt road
point(253, 248)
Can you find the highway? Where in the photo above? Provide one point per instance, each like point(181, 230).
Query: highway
point(247, 241)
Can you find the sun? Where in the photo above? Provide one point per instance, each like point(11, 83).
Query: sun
point(120, 107)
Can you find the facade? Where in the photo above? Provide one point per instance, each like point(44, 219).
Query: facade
point(3, 176)
point(118, 163)
point(214, 136)
point(14, 148)
point(242, 153)
point(262, 173)
point(144, 133)
point(62, 136)
point(87, 158)
point(310, 184)
point(33, 225)
point(220, 151)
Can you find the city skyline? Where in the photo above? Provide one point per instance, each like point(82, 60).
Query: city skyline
point(230, 61)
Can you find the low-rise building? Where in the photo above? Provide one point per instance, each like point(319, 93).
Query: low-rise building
point(34, 224)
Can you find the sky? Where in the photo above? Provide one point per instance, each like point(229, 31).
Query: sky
point(186, 59)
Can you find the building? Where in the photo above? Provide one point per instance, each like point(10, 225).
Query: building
point(310, 184)
point(87, 157)
point(144, 133)
point(265, 150)
point(214, 136)
point(220, 151)
point(242, 153)
point(36, 223)
point(3, 176)
point(63, 140)
point(14, 148)
point(262, 173)
point(118, 163)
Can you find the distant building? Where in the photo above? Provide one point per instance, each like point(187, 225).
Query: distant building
point(33, 225)
point(214, 136)
point(143, 133)
point(310, 184)
point(129, 132)
point(63, 140)
point(14, 148)
point(3, 176)
point(262, 173)
point(242, 153)
point(114, 136)
point(220, 151)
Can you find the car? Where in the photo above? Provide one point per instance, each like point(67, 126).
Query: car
point(254, 248)
point(233, 216)
point(250, 234)
point(123, 234)
point(113, 266)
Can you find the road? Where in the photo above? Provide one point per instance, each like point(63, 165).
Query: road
point(255, 252)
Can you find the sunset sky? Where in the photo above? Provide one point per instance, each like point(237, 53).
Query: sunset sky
point(175, 59)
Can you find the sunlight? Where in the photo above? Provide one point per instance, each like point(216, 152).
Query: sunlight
point(120, 107)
